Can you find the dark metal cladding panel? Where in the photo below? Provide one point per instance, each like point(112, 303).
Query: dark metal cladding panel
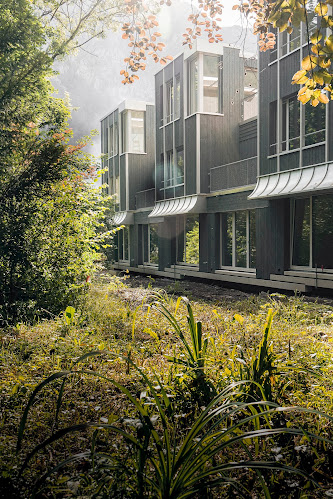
point(169, 137)
point(158, 111)
point(133, 242)
point(179, 124)
point(122, 168)
point(141, 217)
point(213, 147)
point(289, 161)
point(289, 65)
point(168, 72)
point(179, 133)
point(237, 174)
point(103, 128)
point(190, 156)
point(234, 202)
point(272, 235)
point(314, 155)
point(166, 239)
point(267, 94)
point(330, 131)
point(179, 65)
point(208, 241)
point(116, 160)
point(150, 137)
point(248, 139)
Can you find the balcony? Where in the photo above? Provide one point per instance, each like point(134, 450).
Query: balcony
point(233, 175)
point(144, 199)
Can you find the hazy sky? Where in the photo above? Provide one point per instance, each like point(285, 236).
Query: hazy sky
point(92, 79)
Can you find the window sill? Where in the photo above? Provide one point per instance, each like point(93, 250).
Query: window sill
point(129, 152)
point(169, 123)
point(288, 53)
point(290, 151)
point(222, 270)
point(316, 144)
point(202, 112)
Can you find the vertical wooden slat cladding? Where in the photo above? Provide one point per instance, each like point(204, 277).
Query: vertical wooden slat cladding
point(289, 161)
point(314, 155)
point(141, 167)
point(330, 129)
point(234, 202)
point(214, 149)
point(169, 137)
point(248, 139)
point(150, 137)
point(168, 72)
point(122, 179)
point(268, 81)
point(289, 65)
point(190, 155)
point(140, 176)
point(179, 133)
point(272, 234)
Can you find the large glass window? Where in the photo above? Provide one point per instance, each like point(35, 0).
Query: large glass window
point(315, 118)
point(301, 233)
point(322, 231)
point(290, 124)
point(211, 70)
point(169, 101)
point(174, 168)
point(110, 141)
point(177, 97)
point(123, 244)
point(115, 138)
point(313, 232)
point(193, 86)
point(161, 106)
point(226, 239)
point(133, 131)
point(153, 244)
point(290, 41)
point(188, 240)
point(179, 173)
point(169, 171)
point(238, 239)
point(272, 128)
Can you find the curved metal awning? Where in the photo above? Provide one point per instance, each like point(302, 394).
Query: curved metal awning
point(123, 218)
point(179, 206)
point(283, 184)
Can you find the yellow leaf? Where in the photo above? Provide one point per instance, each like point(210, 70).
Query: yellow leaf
point(239, 318)
point(308, 63)
point(304, 95)
point(314, 102)
point(321, 9)
point(318, 78)
point(299, 78)
point(323, 98)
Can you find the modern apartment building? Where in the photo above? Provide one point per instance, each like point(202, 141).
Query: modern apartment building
point(214, 208)
point(295, 172)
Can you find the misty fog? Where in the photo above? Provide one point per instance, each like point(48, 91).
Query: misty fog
point(92, 80)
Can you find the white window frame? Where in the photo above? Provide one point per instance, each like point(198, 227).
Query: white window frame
point(233, 266)
point(181, 228)
point(126, 131)
point(122, 259)
point(286, 124)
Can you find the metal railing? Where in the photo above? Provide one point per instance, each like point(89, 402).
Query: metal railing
point(238, 174)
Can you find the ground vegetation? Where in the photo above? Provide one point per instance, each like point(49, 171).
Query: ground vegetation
point(141, 393)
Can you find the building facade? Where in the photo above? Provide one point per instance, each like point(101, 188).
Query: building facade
point(233, 197)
